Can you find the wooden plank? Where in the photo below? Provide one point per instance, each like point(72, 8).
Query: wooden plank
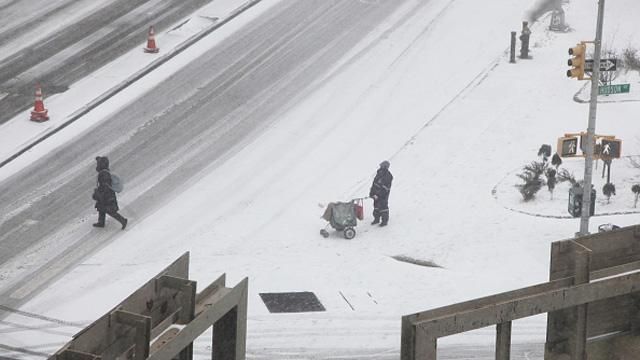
point(186, 295)
point(211, 289)
point(75, 355)
point(623, 346)
point(503, 341)
point(624, 238)
point(205, 303)
point(531, 305)
point(562, 262)
point(204, 320)
point(166, 336)
point(612, 253)
point(165, 324)
point(615, 257)
point(582, 271)
point(407, 339)
point(489, 300)
point(611, 315)
point(223, 341)
point(426, 347)
point(558, 333)
point(560, 323)
point(241, 327)
point(134, 338)
point(127, 318)
point(102, 334)
point(608, 249)
point(615, 270)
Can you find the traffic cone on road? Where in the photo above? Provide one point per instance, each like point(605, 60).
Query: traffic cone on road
point(151, 42)
point(39, 113)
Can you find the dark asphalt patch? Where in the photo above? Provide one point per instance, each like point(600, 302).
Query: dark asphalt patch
point(292, 302)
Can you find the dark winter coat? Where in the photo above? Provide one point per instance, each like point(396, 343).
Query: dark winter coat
point(381, 186)
point(104, 196)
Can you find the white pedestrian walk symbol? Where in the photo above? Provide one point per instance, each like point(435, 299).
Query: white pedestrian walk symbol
point(606, 150)
point(572, 147)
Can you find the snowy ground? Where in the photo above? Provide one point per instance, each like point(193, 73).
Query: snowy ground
point(456, 131)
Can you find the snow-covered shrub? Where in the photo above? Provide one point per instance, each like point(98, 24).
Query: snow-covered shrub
point(556, 160)
point(631, 59)
point(550, 173)
point(531, 175)
point(608, 190)
point(544, 152)
point(565, 175)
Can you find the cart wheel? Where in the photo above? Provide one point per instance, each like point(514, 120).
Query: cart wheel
point(349, 233)
point(324, 233)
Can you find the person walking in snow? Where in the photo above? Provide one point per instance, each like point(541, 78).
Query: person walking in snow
point(105, 197)
point(380, 190)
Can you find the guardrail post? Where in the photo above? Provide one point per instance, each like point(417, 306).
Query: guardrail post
point(503, 341)
point(229, 338)
point(407, 339)
point(426, 347)
point(582, 266)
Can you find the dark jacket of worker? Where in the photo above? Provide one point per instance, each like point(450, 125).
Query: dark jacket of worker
point(380, 190)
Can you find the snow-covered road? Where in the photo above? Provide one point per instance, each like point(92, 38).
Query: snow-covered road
point(56, 43)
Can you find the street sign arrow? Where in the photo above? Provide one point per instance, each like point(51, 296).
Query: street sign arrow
point(605, 65)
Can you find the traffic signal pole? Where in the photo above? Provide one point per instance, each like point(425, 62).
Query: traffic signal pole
point(591, 129)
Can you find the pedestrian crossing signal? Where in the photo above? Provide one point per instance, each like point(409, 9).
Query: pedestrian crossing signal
point(577, 62)
point(568, 146)
point(610, 148)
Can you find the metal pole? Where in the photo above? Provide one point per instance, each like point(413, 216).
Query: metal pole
point(512, 58)
point(591, 129)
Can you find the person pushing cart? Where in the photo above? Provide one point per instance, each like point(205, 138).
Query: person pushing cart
point(380, 189)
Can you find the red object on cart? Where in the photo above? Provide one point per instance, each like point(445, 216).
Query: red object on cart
point(359, 209)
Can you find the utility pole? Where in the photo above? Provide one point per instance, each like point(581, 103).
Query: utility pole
point(591, 129)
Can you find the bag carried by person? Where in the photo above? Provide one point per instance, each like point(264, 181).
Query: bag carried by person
point(116, 183)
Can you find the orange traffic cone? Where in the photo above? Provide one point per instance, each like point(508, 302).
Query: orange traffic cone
point(39, 113)
point(151, 42)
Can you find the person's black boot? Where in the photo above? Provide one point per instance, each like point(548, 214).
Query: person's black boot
point(385, 219)
point(121, 219)
point(375, 221)
point(101, 219)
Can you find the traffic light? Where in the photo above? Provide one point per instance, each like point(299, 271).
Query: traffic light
point(577, 62)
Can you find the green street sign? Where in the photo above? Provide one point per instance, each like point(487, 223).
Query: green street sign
point(613, 89)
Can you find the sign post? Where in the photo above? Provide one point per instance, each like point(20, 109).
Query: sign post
point(591, 128)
